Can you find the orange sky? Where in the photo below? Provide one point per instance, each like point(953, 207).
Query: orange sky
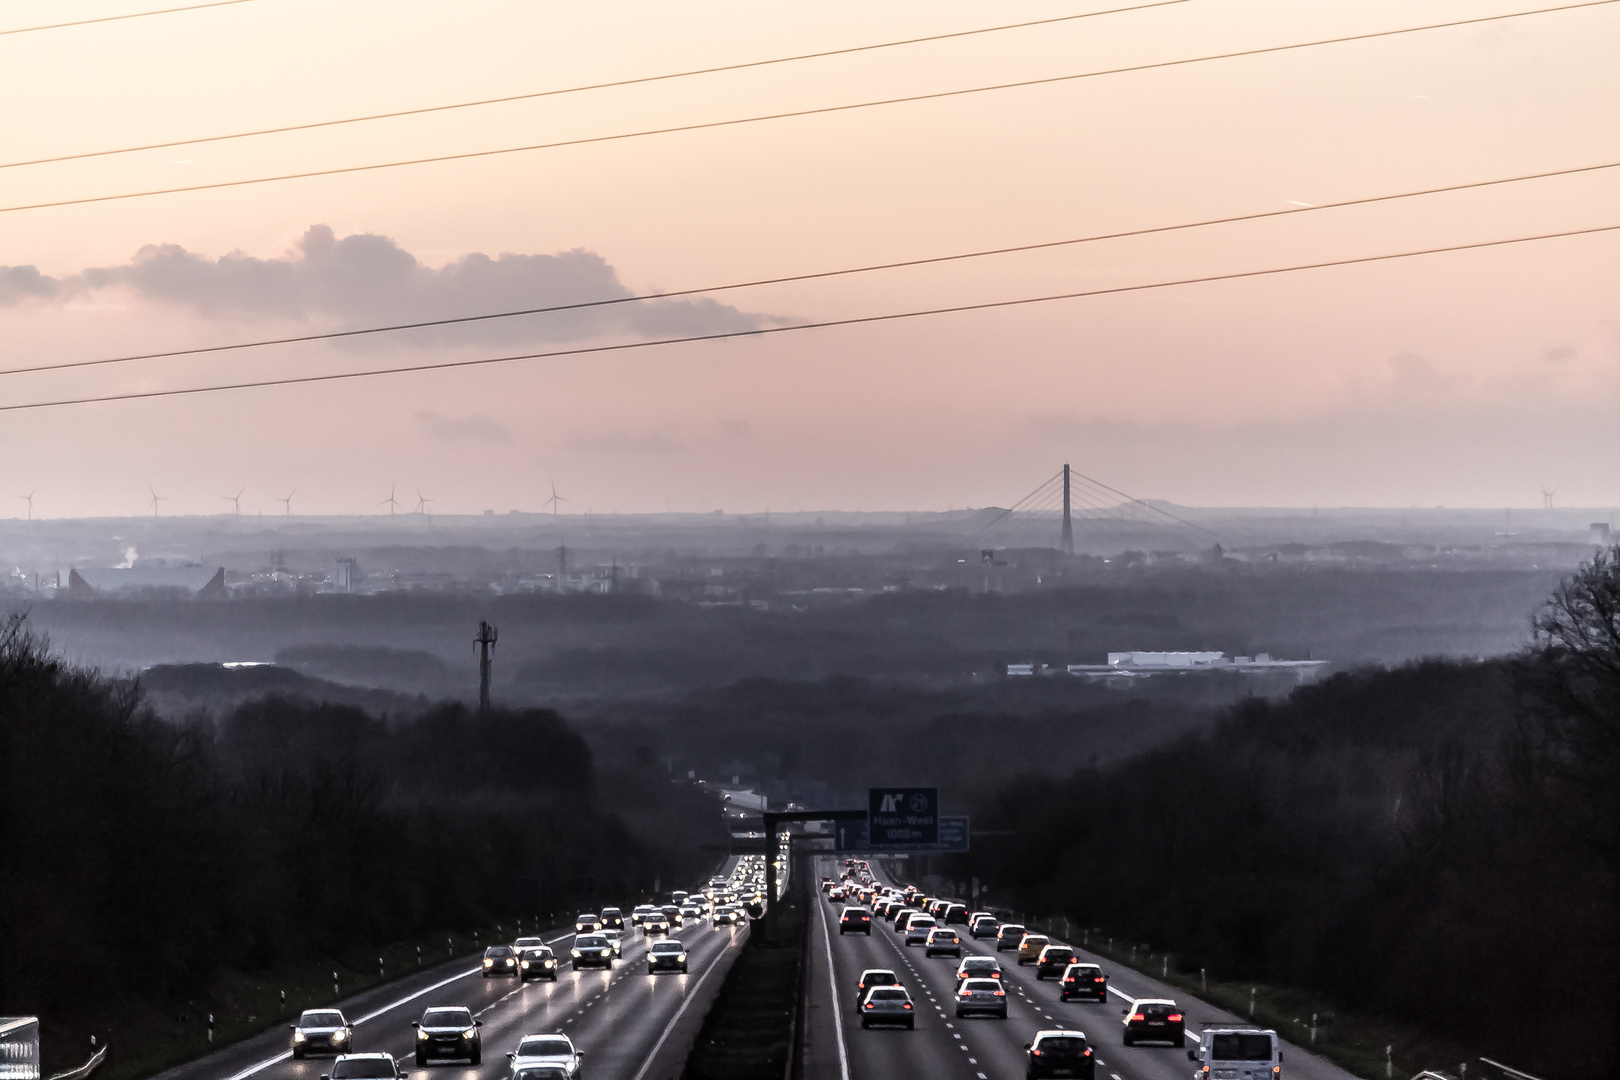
point(1464, 379)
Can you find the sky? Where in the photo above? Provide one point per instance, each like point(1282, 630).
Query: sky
point(1469, 378)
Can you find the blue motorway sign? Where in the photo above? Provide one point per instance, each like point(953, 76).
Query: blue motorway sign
point(854, 838)
point(903, 816)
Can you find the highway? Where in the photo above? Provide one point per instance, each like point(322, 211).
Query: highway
point(979, 1048)
point(630, 1025)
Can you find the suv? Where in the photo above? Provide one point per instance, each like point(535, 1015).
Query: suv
point(1053, 960)
point(1009, 936)
point(320, 1030)
point(942, 941)
point(1155, 1019)
point(448, 1033)
point(855, 920)
point(1061, 1053)
point(1241, 1053)
point(1083, 980)
point(500, 960)
point(363, 1067)
point(612, 919)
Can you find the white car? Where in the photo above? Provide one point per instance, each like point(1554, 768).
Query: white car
point(547, 1052)
point(616, 939)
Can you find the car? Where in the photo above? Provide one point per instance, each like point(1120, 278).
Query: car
point(555, 1051)
point(975, 916)
point(1155, 1020)
point(1053, 960)
point(612, 918)
point(320, 1031)
point(1243, 1053)
point(655, 922)
point(592, 950)
point(984, 926)
point(1060, 1052)
point(855, 920)
point(363, 1067)
point(918, 927)
point(888, 1005)
point(448, 1032)
point(981, 996)
point(1030, 946)
point(836, 893)
point(500, 960)
point(666, 956)
point(589, 922)
point(640, 912)
point(957, 913)
point(615, 939)
point(678, 897)
point(725, 915)
point(978, 967)
point(1083, 980)
point(902, 922)
point(1009, 936)
point(672, 912)
point(942, 941)
point(537, 962)
point(690, 911)
point(871, 978)
point(528, 943)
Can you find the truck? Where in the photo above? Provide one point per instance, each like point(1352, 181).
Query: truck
point(1237, 1053)
point(19, 1048)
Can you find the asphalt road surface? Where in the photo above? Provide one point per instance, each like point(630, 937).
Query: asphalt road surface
point(980, 1048)
point(630, 1025)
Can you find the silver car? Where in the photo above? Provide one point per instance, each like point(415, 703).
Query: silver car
point(918, 929)
point(547, 1052)
point(981, 996)
point(321, 1031)
point(888, 1005)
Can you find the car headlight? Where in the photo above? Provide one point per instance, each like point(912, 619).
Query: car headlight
point(525, 964)
point(339, 1036)
point(469, 1033)
point(551, 963)
point(421, 1035)
point(298, 1036)
point(681, 958)
point(578, 953)
point(488, 962)
point(510, 961)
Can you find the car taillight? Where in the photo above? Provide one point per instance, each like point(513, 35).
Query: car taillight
point(1136, 1017)
point(869, 1005)
point(907, 1005)
point(999, 993)
point(1174, 1018)
point(1087, 1053)
point(967, 993)
point(1069, 979)
point(1099, 978)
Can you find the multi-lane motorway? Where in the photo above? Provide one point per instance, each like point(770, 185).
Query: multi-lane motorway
point(630, 1025)
point(979, 1048)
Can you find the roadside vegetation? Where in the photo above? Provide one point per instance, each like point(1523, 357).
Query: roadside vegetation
point(1434, 846)
point(155, 871)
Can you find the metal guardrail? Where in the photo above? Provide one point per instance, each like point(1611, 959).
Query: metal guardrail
point(86, 1069)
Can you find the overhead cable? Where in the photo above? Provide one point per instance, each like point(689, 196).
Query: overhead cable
point(863, 320)
point(790, 114)
point(120, 18)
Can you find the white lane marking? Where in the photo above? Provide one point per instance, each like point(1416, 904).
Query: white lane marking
point(690, 994)
point(837, 1010)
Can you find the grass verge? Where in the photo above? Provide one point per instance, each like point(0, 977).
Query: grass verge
point(748, 1032)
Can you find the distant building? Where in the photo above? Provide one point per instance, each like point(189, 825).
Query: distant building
point(1602, 535)
point(146, 582)
point(1142, 665)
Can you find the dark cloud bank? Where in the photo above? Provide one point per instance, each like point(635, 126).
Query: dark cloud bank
point(369, 280)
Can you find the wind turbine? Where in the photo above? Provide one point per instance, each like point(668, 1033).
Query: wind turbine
point(235, 500)
point(288, 501)
point(29, 499)
point(156, 498)
point(390, 502)
point(422, 502)
point(555, 499)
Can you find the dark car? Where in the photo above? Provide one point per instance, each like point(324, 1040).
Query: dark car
point(363, 1067)
point(984, 926)
point(1054, 960)
point(981, 996)
point(956, 913)
point(871, 978)
point(592, 950)
point(1061, 1053)
point(666, 956)
point(978, 967)
point(589, 922)
point(918, 927)
point(1083, 980)
point(448, 1033)
point(612, 919)
point(855, 920)
point(1009, 936)
point(888, 1005)
point(321, 1031)
point(500, 960)
point(538, 962)
point(1155, 1020)
point(672, 912)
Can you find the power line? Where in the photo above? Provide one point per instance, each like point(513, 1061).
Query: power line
point(817, 275)
point(591, 86)
point(988, 305)
point(791, 114)
point(120, 18)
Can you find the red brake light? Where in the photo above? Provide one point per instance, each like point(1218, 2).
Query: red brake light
point(1136, 1017)
point(1036, 1052)
point(1099, 978)
point(869, 1005)
point(1087, 1053)
point(907, 1005)
point(1174, 1018)
point(967, 993)
point(1000, 993)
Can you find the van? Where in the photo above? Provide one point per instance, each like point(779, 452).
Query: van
point(1228, 1053)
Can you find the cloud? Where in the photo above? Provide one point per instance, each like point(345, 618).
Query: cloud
point(661, 442)
point(479, 427)
point(369, 280)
